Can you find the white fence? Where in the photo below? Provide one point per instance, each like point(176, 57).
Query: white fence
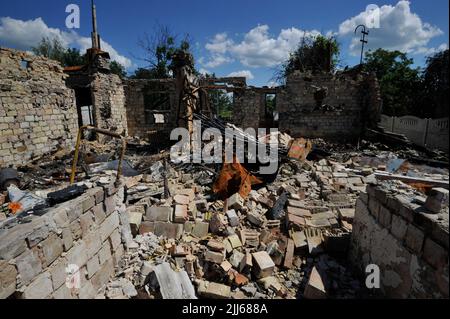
point(430, 133)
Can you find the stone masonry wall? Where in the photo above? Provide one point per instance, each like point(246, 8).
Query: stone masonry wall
point(248, 108)
point(138, 124)
point(298, 110)
point(109, 102)
point(37, 110)
point(409, 245)
point(88, 232)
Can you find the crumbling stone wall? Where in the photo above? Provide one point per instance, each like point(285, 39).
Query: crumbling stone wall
point(351, 100)
point(143, 121)
point(89, 233)
point(248, 108)
point(109, 102)
point(408, 245)
point(37, 111)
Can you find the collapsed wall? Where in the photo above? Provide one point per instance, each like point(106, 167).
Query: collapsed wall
point(109, 102)
point(333, 106)
point(406, 242)
point(151, 107)
point(86, 234)
point(37, 110)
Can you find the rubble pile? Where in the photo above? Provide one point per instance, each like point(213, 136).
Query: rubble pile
point(286, 240)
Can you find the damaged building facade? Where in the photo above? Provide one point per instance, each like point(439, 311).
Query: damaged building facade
point(283, 239)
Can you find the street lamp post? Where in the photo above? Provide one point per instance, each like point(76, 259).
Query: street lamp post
point(364, 33)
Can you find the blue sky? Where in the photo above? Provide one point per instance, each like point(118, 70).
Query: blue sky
point(245, 37)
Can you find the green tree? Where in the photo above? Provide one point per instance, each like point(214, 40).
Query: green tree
point(315, 54)
point(436, 85)
point(54, 49)
point(117, 68)
point(73, 57)
point(159, 50)
point(51, 49)
point(400, 83)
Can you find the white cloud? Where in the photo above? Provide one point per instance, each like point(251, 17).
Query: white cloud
point(23, 35)
point(400, 29)
point(204, 71)
point(431, 51)
point(257, 49)
point(244, 73)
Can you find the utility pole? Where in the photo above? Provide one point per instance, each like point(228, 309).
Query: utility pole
point(95, 36)
point(364, 33)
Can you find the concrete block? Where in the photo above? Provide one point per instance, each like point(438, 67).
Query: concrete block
point(168, 230)
point(217, 224)
point(99, 213)
point(75, 228)
point(77, 255)
point(235, 242)
point(159, 214)
point(181, 214)
point(109, 225)
point(236, 259)
point(63, 293)
point(255, 218)
point(214, 257)
point(28, 266)
point(216, 246)
point(385, 217)
point(236, 202)
point(58, 273)
point(435, 254)
point(289, 255)
point(87, 291)
point(8, 274)
point(347, 214)
point(233, 218)
point(437, 200)
point(299, 211)
point(12, 242)
point(92, 266)
point(263, 264)
point(213, 290)
point(115, 239)
point(40, 288)
point(315, 289)
point(399, 227)
point(101, 278)
point(52, 248)
point(181, 200)
point(414, 239)
point(135, 222)
point(93, 244)
point(104, 254)
point(147, 227)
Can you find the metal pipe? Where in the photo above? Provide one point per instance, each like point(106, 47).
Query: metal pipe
point(104, 132)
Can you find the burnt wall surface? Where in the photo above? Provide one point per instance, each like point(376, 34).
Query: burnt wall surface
point(151, 107)
point(88, 235)
point(248, 108)
point(108, 97)
point(333, 106)
point(37, 111)
point(406, 242)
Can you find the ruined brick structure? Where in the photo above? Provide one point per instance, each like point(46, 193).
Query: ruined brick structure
point(151, 107)
point(406, 242)
point(88, 234)
point(102, 92)
point(37, 110)
point(333, 106)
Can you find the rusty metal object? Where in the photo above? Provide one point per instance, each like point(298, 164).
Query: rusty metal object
point(234, 178)
point(99, 131)
point(300, 149)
